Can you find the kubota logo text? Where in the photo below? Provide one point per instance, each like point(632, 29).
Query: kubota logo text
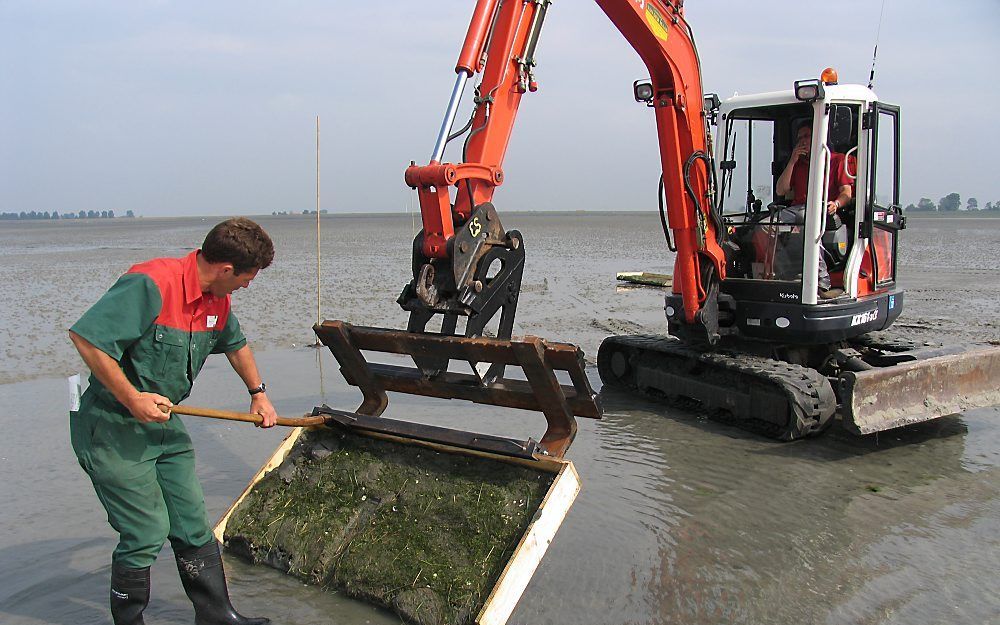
point(864, 317)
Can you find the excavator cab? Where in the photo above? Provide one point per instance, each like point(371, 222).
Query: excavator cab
point(766, 226)
point(806, 291)
point(788, 256)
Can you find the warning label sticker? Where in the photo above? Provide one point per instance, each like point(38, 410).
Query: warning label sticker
point(657, 23)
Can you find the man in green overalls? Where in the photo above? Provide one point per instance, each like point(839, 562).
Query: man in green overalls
point(145, 341)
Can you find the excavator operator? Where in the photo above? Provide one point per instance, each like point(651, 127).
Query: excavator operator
point(794, 179)
point(793, 184)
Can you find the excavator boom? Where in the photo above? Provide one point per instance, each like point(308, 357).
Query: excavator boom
point(501, 45)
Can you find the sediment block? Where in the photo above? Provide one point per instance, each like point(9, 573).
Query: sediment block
point(421, 532)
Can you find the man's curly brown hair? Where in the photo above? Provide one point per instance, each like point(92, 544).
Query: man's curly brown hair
point(241, 242)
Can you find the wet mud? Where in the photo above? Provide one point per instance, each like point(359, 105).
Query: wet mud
point(680, 519)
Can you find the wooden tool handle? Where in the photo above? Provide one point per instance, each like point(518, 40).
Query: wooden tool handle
point(244, 416)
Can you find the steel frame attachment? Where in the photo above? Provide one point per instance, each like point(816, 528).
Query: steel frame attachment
point(538, 359)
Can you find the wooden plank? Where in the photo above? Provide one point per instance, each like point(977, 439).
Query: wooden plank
point(646, 278)
point(272, 463)
point(581, 384)
point(469, 349)
point(337, 336)
point(429, 345)
point(529, 551)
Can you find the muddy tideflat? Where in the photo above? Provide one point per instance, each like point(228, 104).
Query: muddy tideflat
point(679, 520)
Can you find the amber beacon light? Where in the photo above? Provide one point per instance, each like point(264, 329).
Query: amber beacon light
point(829, 76)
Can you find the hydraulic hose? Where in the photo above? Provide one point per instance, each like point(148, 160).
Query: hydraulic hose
point(663, 216)
point(720, 233)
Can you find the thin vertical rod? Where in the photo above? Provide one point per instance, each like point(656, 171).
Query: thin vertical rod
point(449, 116)
point(319, 313)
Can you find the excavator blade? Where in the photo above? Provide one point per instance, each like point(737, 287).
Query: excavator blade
point(910, 392)
point(539, 360)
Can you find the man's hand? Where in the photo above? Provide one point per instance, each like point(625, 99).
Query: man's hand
point(145, 407)
point(832, 207)
point(261, 405)
point(245, 366)
point(801, 150)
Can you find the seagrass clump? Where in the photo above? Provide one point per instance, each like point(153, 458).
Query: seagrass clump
point(423, 533)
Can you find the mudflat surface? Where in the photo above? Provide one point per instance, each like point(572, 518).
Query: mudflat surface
point(679, 521)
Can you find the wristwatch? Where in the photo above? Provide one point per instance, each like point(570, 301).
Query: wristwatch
point(259, 389)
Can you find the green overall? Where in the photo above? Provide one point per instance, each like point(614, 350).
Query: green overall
point(144, 473)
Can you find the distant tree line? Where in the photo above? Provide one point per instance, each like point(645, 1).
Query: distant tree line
point(950, 203)
point(108, 214)
point(304, 212)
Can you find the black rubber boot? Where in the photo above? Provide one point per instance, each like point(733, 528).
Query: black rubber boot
point(204, 582)
point(129, 594)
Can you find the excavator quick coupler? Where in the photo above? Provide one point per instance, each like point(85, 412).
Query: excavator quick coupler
point(479, 280)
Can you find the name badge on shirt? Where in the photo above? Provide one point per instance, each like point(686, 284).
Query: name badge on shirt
point(212, 320)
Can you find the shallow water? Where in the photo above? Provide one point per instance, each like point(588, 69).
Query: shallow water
point(679, 521)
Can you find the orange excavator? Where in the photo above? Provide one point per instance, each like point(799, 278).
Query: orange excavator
point(776, 308)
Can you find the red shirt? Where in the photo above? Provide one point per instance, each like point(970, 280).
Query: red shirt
point(160, 326)
point(184, 306)
point(838, 178)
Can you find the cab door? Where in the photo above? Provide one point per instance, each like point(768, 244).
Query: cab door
point(883, 216)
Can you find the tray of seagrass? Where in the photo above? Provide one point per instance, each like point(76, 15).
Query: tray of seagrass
point(435, 533)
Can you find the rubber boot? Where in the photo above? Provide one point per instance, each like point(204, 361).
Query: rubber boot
point(204, 581)
point(129, 594)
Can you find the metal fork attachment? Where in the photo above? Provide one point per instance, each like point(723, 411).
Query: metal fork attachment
point(538, 359)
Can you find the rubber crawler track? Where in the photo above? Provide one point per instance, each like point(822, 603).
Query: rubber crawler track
point(808, 399)
point(887, 341)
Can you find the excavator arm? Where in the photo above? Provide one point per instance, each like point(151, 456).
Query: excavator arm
point(500, 47)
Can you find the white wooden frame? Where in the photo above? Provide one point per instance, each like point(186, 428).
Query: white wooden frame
point(530, 549)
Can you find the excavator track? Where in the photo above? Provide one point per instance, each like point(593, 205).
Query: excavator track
point(769, 397)
point(888, 341)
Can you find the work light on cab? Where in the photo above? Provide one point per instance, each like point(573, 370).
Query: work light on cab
point(808, 90)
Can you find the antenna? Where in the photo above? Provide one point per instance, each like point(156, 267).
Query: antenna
point(878, 32)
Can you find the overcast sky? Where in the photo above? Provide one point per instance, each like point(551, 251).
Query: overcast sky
point(185, 108)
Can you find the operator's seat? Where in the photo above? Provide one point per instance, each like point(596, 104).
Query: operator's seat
point(837, 238)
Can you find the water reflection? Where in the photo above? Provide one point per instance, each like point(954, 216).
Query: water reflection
point(749, 530)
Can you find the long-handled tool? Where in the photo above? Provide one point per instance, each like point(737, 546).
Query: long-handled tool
point(391, 428)
point(211, 413)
